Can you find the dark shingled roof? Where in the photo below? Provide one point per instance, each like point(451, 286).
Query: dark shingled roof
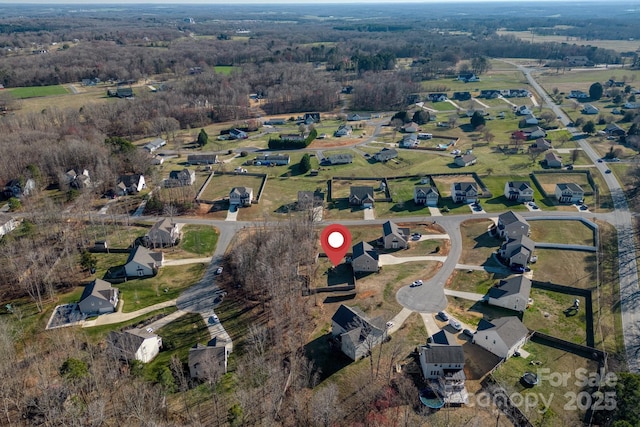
point(443, 348)
point(363, 247)
point(509, 328)
point(513, 286)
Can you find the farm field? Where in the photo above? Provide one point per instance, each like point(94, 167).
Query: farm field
point(38, 91)
point(617, 45)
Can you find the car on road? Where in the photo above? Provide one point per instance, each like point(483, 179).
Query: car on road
point(416, 284)
point(442, 315)
point(607, 171)
point(213, 319)
point(219, 270)
point(468, 332)
point(455, 324)
point(600, 160)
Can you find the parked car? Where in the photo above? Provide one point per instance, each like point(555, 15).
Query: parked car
point(455, 324)
point(584, 207)
point(442, 315)
point(569, 167)
point(607, 171)
point(416, 283)
point(213, 319)
point(389, 325)
point(468, 332)
point(219, 270)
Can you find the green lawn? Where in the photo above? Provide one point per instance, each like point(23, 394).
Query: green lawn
point(473, 281)
point(561, 231)
point(569, 268)
point(165, 286)
point(225, 69)
point(38, 91)
point(199, 239)
point(220, 185)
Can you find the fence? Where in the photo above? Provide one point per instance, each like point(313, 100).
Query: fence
point(537, 183)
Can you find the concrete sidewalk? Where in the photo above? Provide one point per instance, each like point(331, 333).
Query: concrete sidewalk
point(118, 316)
point(392, 260)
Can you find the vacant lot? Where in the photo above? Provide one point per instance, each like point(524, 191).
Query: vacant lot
point(569, 268)
point(199, 240)
point(549, 180)
point(341, 188)
point(473, 281)
point(561, 231)
point(220, 185)
point(556, 361)
point(37, 91)
point(477, 244)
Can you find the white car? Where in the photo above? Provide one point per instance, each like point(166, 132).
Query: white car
point(455, 324)
point(416, 283)
point(389, 325)
point(219, 270)
point(214, 319)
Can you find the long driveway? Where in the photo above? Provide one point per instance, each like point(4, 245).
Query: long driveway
point(622, 219)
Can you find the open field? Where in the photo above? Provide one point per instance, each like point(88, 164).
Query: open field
point(220, 185)
point(561, 231)
point(473, 281)
point(165, 286)
point(617, 45)
point(116, 235)
point(477, 244)
point(556, 361)
point(199, 240)
point(570, 268)
point(225, 69)
point(38, 91)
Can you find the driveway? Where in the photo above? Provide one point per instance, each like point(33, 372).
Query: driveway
point(369, 214)
point(386, 259)
point(471, 296)
point(186, 261)
point(232, 214)
point(434, 211)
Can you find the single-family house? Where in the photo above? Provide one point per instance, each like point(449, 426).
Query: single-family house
point(464, 192)
point(631, 105)
point(130, 184)
point(461, 96)
point(386, 154)
point(577, 61)
point(78, 180)
point(489, 93)
point(427, 196)
point(590, 109)
point(361, 196)
point(613, 129)
point(143, 263)
point(410, 127)
point(98, 297)
point(552, 160)
point(468, 77)
point(356, 332)
point(154, 145)
point(339, 159)
point(182, 178)
point(465, 160)
point(292, 137)
point(355, 117)
point(523, 110)
point(503, 336)
point(275, 122)
point(163, 233)
point(442, 364)
point(121, 92)
point(511, 224)
point(529, 120)
point(394, 237)
point(517, 251)
point(518, 191)
point(19, 188)
point(202, 159)
point(7, 224)
point(237, 134)
point(471, 111)
point(343, 130)
point(268, 159)
point(437, 97)
point(364, 258)
point(569, 192)
point(208, 362)
point(533, 132)
point(578, 94)
point(134, 344)
point(541, 144)
point(310, 118)
point(310, 199)
point(512, 293)
point(409, 141)
point(241, 196)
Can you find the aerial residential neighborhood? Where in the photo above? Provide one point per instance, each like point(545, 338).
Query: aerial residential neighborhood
point(319, 214)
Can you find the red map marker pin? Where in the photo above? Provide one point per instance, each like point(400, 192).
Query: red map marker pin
point(336, 241)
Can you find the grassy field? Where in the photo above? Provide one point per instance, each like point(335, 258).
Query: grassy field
point(38, 91)
point(220, 186)
point(617, 45)
point(569, 268)
point(165, 286)
point(225, 69)
point(116, 235)
point(199, 239)
point(477, 244)
point(556, 361)
point(561, 231)
point(473, 281)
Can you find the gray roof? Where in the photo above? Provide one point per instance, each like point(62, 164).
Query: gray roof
point(363, 248)
point(340, 158)
point(144, 256)
point(519, 185)
point(520, 241)
point(443, 348)
point(552, 156)
point(425, 191)
point(513, 286)
point(509, 328)
point(392, 228)
point(387, 153)
point(353, 320)
point(212, 355)
point(510, 218)
point(98, 288)
point(183, 174)
point(267, 157)
point(361, 192)
point(465, 186)
point(202, 158)
point(242, 191)
point(129, 180)
point(575, 188)
point(125, 344)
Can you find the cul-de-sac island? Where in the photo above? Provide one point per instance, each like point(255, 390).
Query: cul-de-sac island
point(167, 171)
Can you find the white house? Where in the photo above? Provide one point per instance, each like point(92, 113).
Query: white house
point(464, 192)
point(502, 337)
point(465, 160)
point(427, 196)
point(386, 154)
point(409, 141)
point(142, 262)
point(155, 145)
point(442, 363)
point(569, 192)
point(134, 344)
point(519, 191)
point(7, 224)
point(512, 293)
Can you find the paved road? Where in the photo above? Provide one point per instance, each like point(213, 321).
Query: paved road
point(622, 219)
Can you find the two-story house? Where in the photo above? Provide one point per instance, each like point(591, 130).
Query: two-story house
point(442, 364)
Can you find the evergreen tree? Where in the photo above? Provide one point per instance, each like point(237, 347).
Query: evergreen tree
point(203, 138)
point(305, 164)
point(595, 91)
